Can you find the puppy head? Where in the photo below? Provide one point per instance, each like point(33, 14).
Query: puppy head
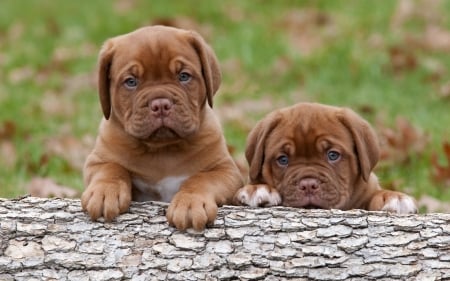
point(314, 155)
point(156, 81)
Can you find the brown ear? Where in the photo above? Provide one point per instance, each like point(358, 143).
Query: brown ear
point(256, 144)
point(366, 142)
point(104, 78)
point(210, 66)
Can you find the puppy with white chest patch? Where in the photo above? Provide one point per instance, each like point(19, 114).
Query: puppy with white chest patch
point(316, 156)
point(159, 139)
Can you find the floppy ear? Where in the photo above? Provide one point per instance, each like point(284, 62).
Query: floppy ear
point(366, 141)
point(256, 144)
point(210, 66)
point(104, 78)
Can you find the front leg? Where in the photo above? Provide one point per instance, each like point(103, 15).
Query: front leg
point(257, 195)
point(393, 201)
point(195, 204)
point(108, 191)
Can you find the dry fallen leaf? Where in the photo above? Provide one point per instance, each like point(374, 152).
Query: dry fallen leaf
point(395, 184)
point(8, 154)
point(444, 91)
point(123, 7)
point(46, 187)
point(20, 74)
point(72, 149)
point(240, 111)
point(398, 144)
point(440, 174)
point(205, 30)
point(426, 11)
point(401, 59)
point(54, 104)
point(432, 205)
point(436, 70)
point(436, 38)
point(308, 30)
point(7, 130)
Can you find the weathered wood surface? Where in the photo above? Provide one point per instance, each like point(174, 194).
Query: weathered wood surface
point(52, 239)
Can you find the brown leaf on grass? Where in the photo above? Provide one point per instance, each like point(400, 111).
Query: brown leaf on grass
point(238, 81)
point(440, 174)
point(8, 154)
point(240, 110)
point(123, 7)
point(432, 205)
point(366, 109)
point(436, 70)
point(71, 149)
point(398, 144)
point(60, 102)
point(205, 30)
point(436, 38)
point(401, 59)
point(35, 166)
point(59, 63)
point(308, 29)
point(235, 13)
point(395, 184)
point(62, 54)
point(46, 187)
point(425, 11)
point(430, 14)
point(376, 41)
point(7, 130)
point(21, 74)
point(444, 91)
point(283, 65)
point(16, 31)
point(433, 38)
point(54, 104)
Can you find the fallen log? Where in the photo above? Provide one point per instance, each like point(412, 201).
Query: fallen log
point(52, 239)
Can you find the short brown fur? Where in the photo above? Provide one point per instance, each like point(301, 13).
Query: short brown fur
point(306, 134)
point(161, 133)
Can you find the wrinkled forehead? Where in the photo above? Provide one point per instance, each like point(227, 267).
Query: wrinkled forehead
point(304, 133)
point(153, 48)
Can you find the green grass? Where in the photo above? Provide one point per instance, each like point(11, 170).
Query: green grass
point(346, 69)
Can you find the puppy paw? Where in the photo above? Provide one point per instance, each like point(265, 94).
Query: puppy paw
point(106, 199)
point(257, 195)
point(394, 202)
point(191, 210)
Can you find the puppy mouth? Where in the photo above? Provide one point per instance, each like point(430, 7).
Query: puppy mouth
point(163, 134)
point(304, 205)
point(161, 130)
point(312, 206)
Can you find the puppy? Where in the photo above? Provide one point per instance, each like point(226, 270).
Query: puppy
point(159, 138)
point(316, 156)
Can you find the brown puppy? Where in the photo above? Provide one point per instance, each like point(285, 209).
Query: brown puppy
point(160, 139)
point(316, 156)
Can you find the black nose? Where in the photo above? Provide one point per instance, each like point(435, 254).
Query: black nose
point(160, 106)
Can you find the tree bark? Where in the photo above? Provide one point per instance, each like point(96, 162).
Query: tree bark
point(52, 239)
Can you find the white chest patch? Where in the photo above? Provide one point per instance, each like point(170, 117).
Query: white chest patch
point(166, 188)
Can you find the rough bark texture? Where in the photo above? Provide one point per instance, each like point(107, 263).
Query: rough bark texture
point(52, 239)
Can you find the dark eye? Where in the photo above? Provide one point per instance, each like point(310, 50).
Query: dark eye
point(283, 160)
point(131, 83)
point(333, 155)
point(184, 77)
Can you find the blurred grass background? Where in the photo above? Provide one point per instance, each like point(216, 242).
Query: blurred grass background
point(388, 60)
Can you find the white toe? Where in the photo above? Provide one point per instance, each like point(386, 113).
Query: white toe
point(400, 205)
